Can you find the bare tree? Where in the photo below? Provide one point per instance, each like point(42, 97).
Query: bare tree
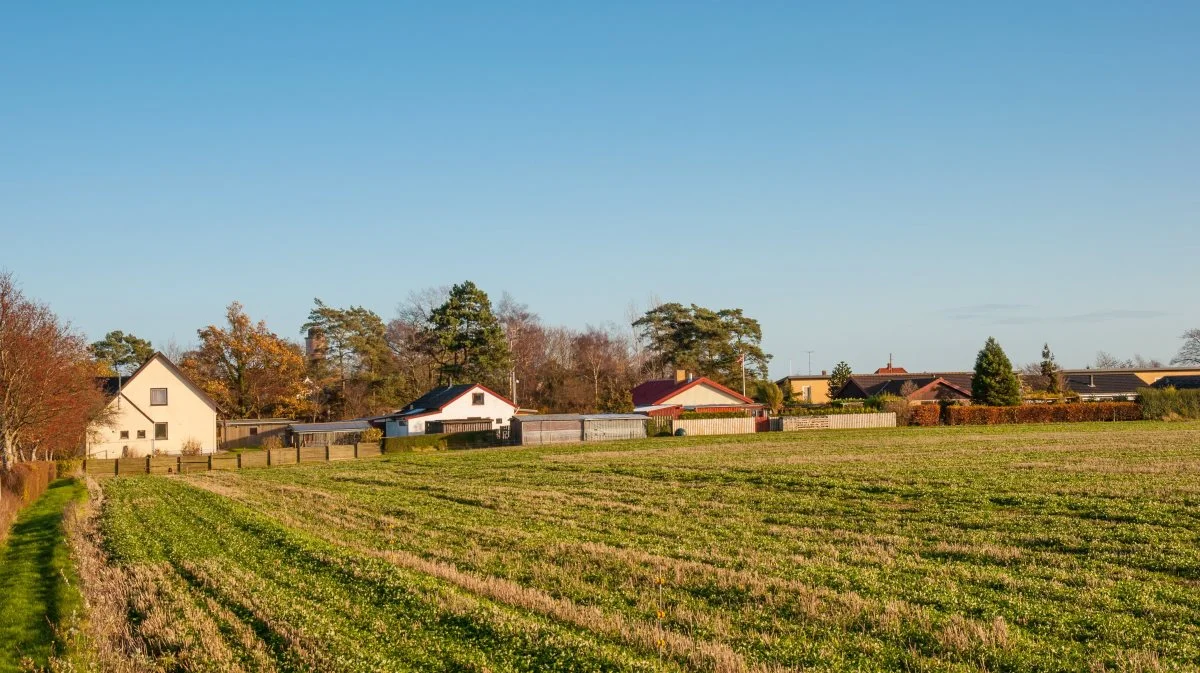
point(1189, 352)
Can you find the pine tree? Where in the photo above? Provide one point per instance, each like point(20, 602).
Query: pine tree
point(995, 383)
point(1049, 370)
point(468, 337)
point(840, 376)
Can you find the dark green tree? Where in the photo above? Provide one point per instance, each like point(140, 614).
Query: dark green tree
point(995, 382)
point(839, 378)
point(616, 401)
point(467, 339)
point(122, 353)
point(1049, 371)
point(358, 368)
point(706, 342)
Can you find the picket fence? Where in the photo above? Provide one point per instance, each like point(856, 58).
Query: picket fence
point(839, 422)
point(111, 467)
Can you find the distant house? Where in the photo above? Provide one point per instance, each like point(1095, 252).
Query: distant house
point(467, 402)
point(806, 389)
point(247, 432)
point(1186, 382)
point(918, 388)
point(671, 397)
point(156, 410)
point(1101, 385)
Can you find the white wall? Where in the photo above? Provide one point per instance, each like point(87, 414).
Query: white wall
point(700, 395)
point(187, 415)
point(493, 407)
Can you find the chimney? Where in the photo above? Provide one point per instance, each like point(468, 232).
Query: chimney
point(681, 375)
point(824, 373)
point(1091, 380)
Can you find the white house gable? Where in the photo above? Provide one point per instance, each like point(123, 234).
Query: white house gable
point(700, 395)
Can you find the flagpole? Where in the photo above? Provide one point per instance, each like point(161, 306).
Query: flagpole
point(743, 359)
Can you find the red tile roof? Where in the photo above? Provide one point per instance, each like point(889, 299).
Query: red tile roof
point(658, 391)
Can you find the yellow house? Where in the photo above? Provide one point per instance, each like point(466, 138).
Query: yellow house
point(809, 389)
point(156, 410)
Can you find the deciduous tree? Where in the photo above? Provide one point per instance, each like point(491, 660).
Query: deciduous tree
point(995, 383)
point(1189, 352)
point(1051, 376)
point(249, 370)
point(769, 395)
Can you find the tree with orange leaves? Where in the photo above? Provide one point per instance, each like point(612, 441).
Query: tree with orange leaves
point(249, 370)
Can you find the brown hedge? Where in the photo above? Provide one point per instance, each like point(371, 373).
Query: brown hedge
point(23, 484)
point(1044, 413)
point(925, 415)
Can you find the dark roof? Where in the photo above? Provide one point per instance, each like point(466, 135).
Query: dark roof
point(111, 385)
point(1181, 382)
point(875, 384)
point(335, 426)
point(656, 391)
point(1099, 383)
point(438, 398)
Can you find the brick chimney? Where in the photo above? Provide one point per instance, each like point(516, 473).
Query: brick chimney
point(681, 375)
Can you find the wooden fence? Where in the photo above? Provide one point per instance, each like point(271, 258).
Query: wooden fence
point(111, 467)
point(839, 421)
point(714, 426)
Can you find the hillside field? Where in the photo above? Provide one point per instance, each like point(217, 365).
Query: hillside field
point(1019, 548)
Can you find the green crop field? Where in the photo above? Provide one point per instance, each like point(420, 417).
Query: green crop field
point(1027, 548)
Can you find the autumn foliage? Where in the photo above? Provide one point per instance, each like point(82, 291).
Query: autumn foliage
point(925, 415)
point(1043, 413)
point(20, 486)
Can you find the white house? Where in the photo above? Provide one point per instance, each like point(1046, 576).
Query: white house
point(450, 403)
point(157, 410)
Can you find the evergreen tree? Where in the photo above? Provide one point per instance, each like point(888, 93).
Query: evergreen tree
point(703, 341)
point(995, 383)
point(122, 353)
point(468, 339)
point(1049, 370)
point(769, 395)
point(840, 376)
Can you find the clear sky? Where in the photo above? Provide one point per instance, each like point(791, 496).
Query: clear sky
point(863, 178)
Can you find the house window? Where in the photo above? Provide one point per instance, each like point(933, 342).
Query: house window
point(158, 397)
point(124, 434)
point(160, 430)
point(499, 421)
point(477, 399)
point(141, 434)
point(253, 430)
point(807, 391)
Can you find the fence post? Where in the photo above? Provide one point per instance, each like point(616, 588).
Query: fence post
point(327, 453)
point(268, 457)
point(210, 462)
point(178, 464)
point(356, 451)
point(239, 461)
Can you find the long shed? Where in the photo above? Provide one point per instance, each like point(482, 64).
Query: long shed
point(574, 428)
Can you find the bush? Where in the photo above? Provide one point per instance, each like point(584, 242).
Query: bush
point(1169, 403)
point(191, 447)
point(1044, 413)
point(658, 426)
point(925, 415)
point(272, 442)
point(68, 467)
point(371, 435)
point(897, 405)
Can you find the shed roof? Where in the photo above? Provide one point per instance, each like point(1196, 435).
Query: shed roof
point(582, 417)
point(335, 426)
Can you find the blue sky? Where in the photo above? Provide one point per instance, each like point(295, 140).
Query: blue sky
point(863, 178)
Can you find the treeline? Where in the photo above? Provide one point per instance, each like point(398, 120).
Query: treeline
point(366, 365)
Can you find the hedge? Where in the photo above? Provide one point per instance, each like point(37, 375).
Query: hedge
point(1043, 413)
point(1169, 403)
point(455, 440)
point(21, 485)
point(925, 415)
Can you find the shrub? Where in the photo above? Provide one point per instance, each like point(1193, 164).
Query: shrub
point(191, 447)
point(925, 415)
point(897, 405)
point(1043, 413)
point(658, 426)
point(272, 442)
point(371, 435)
point(21, 485)
point(1169, 403)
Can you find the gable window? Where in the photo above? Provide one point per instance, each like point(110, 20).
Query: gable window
point(158, 397)
point(477, 399)
point(141, 434)
point(124, 434)
point(160, 430)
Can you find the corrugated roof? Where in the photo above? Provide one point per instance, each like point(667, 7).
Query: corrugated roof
point(333, 426)
point(582, 417)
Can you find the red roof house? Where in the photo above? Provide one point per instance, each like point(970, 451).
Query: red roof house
point(670, 397)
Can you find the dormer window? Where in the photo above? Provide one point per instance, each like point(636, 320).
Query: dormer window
point(158, 397)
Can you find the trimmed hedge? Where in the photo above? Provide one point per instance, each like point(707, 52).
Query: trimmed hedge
point(442, 442)
point(24, 483)
point(925, 415)
point(1043, 413)
point(1169, 403)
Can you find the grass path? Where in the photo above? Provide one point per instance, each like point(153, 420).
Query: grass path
point(38, 591)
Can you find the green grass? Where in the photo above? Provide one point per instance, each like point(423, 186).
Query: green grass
point(1018, 548)
point(38, 598)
